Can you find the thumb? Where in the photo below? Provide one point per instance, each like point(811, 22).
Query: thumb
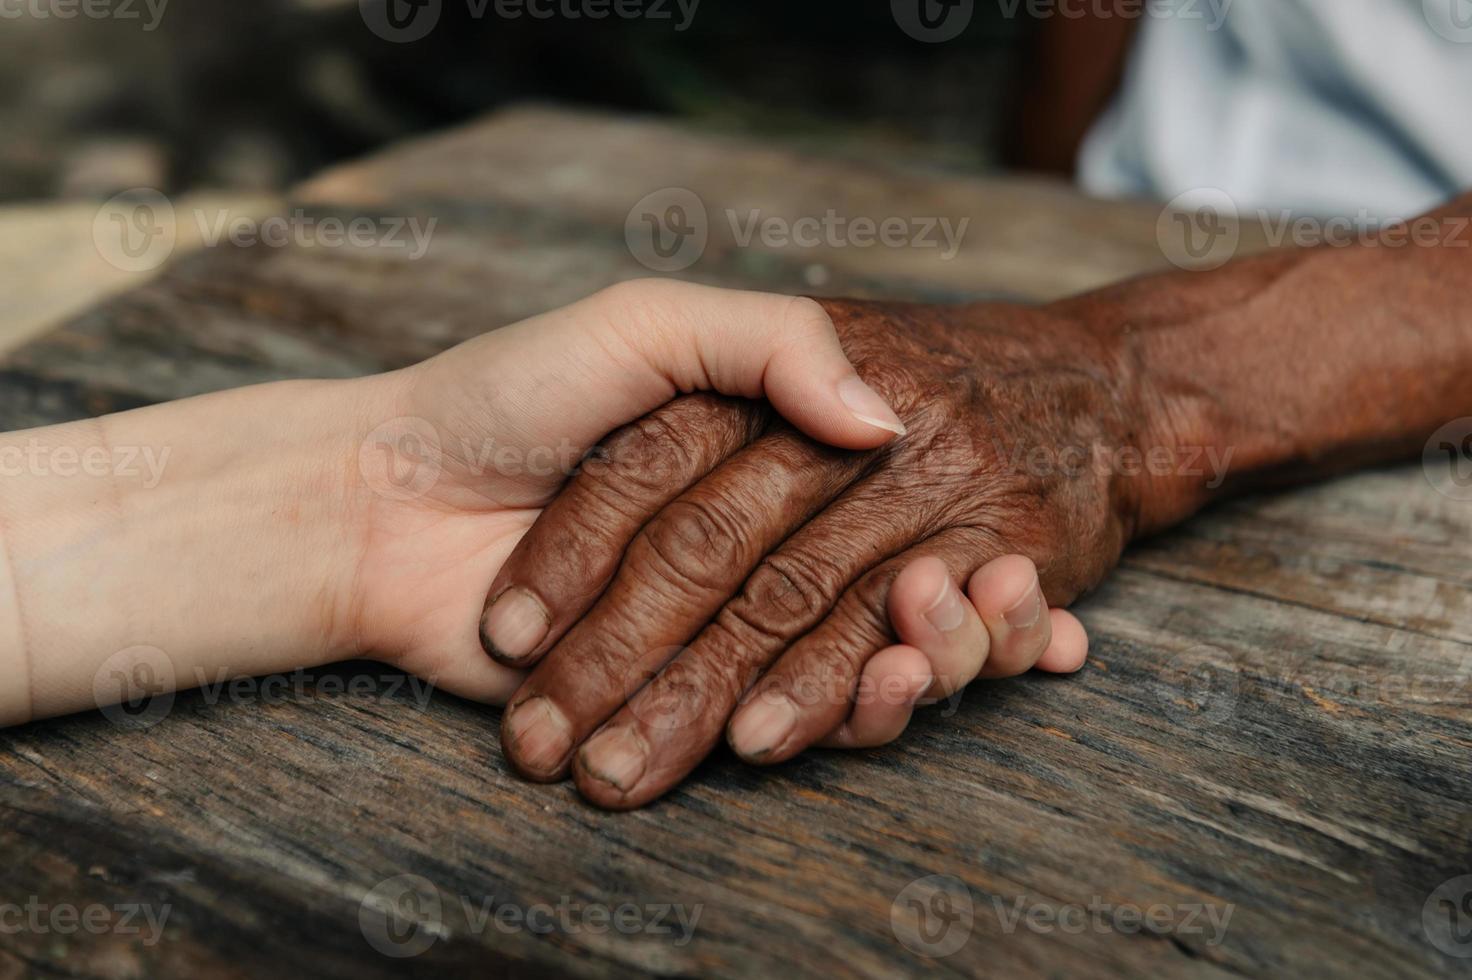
point(640, 344)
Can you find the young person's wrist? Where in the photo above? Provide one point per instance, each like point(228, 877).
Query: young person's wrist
point(213, 534)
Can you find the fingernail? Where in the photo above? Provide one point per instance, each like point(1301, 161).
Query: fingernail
point(947, 612)
point(763, 726)
point(514, 625)
point(616, 757)
point(866, 405)
point(540, 734)
point(1024, 615)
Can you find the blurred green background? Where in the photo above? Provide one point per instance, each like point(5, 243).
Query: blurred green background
point(254, 94)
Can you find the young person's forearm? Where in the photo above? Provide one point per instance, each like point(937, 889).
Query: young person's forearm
point(1301, 363)
point(208, 530)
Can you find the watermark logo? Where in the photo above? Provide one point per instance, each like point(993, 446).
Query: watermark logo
point(1102, 918)
point(1198, 686)
point(1452, 19)
point(134, 688)
point(135, 231)
point(401, 21)
point(668, 230)
point(1447, 460)
point(657, 688)
point(404, 458)
point(406, 915)
point(933, 21)
point(402, 917)
point(138, 230)
point(401, 459)
point(1202, 229)
point(933, 916)
point(1199, 230)
point(1447, 917)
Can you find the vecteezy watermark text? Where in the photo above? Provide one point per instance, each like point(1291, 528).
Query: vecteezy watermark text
point(934, 916)
point(149, 12)
point(404, 458)
point(666, 706)
point(137, 688)
point(1211, 463)
point(405, 21)
point(1202, 229)
point(300, 685)
point(405, 915)
point(1213, 13)
point(937, 21)
point(138, 230)
point(1101, 917)
point(833, 230)
point(35, 458)
point(66, 919)
point(669, 230)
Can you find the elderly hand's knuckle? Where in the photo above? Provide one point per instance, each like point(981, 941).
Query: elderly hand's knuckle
point(591, 510)
point(870, 597)
point(782, 597)
point(579, 664)
point(676, 444)
point(572, 531)
point(649, 453)
point(693, 542)
point(621, 656)
point(718, 418)
point(699, 687)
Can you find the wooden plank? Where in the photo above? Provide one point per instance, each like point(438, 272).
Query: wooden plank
point(1273, 724)
point(52, 267)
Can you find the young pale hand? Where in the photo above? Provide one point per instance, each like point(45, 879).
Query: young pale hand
point(467, 447)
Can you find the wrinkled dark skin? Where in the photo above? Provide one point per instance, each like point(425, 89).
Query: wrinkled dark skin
point(722, 555)
point(711, 498)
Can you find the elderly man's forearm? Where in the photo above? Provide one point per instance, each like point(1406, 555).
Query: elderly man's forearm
point(1302, 363)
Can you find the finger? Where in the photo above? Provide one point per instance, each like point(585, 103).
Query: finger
point(808, 692)
point(565, 561)
point(1070, 647)
point(893, 681)
point(678, 572)
point(473, 678)
point(675, 720)
point(929, 612)
point(1009, 598)
point(616, 356)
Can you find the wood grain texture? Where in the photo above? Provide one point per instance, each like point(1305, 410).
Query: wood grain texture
point(51, 266)
point(1274, 723)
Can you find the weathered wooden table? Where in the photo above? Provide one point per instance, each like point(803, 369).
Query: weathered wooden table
point(1265, 768)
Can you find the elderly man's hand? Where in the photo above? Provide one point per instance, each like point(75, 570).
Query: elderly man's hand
point(714, 552)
